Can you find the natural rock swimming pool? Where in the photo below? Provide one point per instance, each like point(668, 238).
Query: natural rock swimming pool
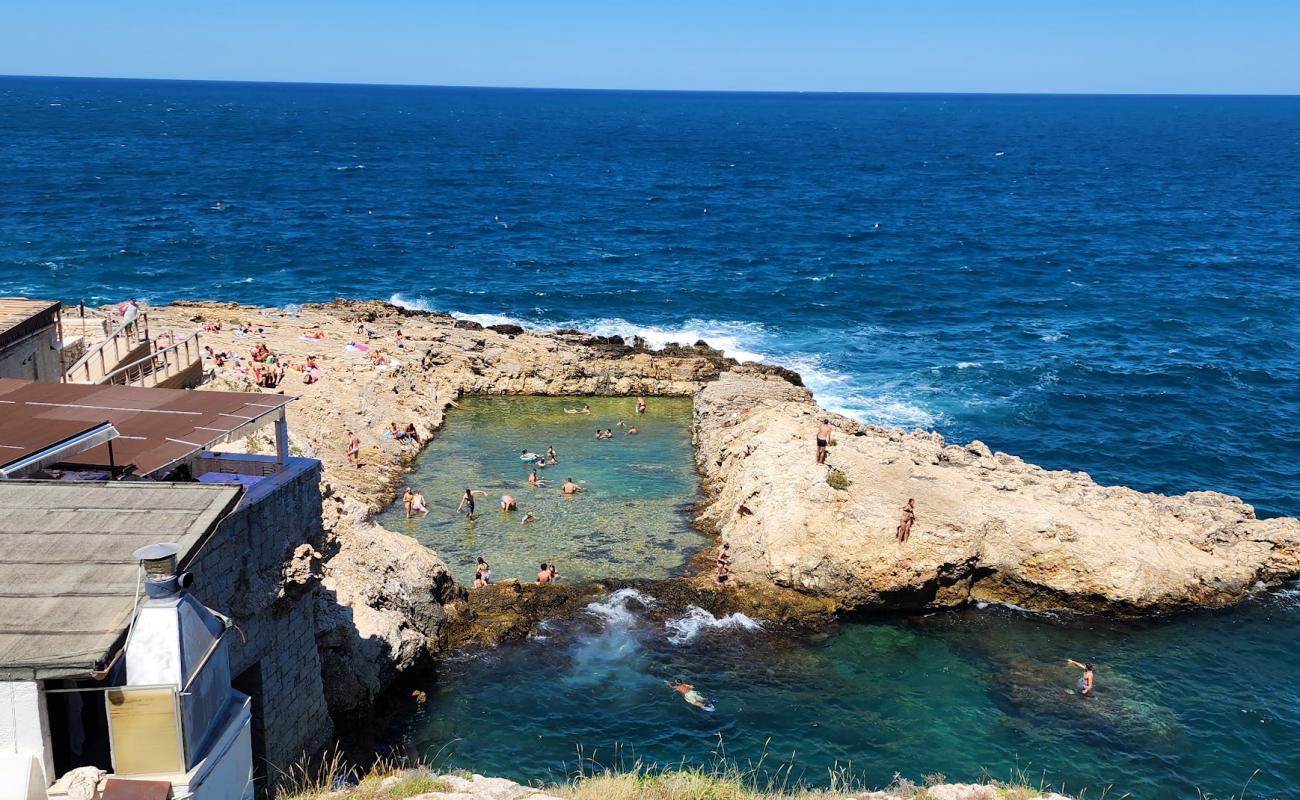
point(632, 519)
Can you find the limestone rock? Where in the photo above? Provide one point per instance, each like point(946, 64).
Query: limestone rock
point(989, 527)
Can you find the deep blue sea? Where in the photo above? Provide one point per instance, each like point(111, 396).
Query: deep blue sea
point(1100, 283)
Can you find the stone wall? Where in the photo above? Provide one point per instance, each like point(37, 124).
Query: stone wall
point(258, 568)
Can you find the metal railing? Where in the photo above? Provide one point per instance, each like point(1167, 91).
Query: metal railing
point(104, 357)
point(158, 366)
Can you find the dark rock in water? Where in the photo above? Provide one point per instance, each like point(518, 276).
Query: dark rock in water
point(466, 324)
point(508, 330)
point(510, 610)
point(569, 332)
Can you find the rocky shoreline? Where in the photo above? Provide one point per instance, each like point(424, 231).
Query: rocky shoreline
point(990, 528)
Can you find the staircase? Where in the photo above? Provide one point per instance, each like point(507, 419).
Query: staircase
point(179, 366)
point(107, 347)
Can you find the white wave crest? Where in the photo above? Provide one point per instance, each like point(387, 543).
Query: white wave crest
point(620, 607)
point(732, 338)
point(743, 341)
point(687, 628)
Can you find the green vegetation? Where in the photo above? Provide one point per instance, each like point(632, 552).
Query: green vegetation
point(838, 480)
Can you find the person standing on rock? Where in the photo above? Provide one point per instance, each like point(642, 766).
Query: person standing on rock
point(905, 520)
point(1085, 680)
point(354, 450)
point(724, 564)
point(823, 440)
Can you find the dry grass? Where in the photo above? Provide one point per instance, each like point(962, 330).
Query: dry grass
point(333, 778)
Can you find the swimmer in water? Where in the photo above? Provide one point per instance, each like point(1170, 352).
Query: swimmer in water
point(1085, 680)
point(508, 503)
point(525, 455)
point(570, 487)
point(528, 519)
point(544, 574)
point(550, 456)
point(640, 405)
point(632, 431)
point(691, 696)
point(535, 481)
point(467, 502)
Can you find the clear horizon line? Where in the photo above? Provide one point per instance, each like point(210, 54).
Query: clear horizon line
point(848, 92)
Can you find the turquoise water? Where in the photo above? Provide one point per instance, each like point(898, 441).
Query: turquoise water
point(1198, 703)
point(631, 520)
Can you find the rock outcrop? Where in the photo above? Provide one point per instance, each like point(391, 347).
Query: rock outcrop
point(989, 527)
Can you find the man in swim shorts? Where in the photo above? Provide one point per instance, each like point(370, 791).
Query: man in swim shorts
point(467, 501)
point(690, 695)
point(408, 501)
point(354, 450)
point(544, 575)
point(570, 487)
point(823, 440)
point(1085, 680)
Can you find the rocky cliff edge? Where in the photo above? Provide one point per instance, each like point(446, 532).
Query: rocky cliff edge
point(989, 527)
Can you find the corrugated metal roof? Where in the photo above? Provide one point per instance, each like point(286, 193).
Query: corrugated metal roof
point(20, 316)
point(158, 427)
point(67, 578)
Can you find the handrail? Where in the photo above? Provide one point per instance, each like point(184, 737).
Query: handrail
point(81, 369)
point(159, 365)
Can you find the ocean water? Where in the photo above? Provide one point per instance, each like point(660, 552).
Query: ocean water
point(1099, 283)
point(632, 519)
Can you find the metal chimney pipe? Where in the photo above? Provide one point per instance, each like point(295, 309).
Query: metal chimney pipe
point(161, 578)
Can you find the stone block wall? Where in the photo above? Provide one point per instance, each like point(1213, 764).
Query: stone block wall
point(251, 570)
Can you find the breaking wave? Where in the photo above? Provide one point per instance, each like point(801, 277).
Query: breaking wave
point(687, 628)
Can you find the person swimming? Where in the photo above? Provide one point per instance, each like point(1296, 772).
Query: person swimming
point(533, 480)
point(691, 696)
point(570, 487)
point(528, 455)
point(1087, 679)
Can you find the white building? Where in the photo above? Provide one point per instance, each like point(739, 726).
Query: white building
point(111, 673)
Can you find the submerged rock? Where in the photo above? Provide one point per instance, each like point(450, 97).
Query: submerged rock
point(989, 527)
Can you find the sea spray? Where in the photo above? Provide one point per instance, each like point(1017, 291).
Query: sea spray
point(687, 628)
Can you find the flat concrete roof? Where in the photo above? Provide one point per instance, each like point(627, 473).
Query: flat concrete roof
point(158, 427)
point(68, 581)
point(20, 316)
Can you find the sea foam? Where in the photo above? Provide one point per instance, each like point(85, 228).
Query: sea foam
point(687, 628)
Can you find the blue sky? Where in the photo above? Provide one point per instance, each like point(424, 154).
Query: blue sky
point(1251, 46)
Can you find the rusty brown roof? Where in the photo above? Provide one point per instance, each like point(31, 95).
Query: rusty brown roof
point(20, 316)
point(158, 427)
